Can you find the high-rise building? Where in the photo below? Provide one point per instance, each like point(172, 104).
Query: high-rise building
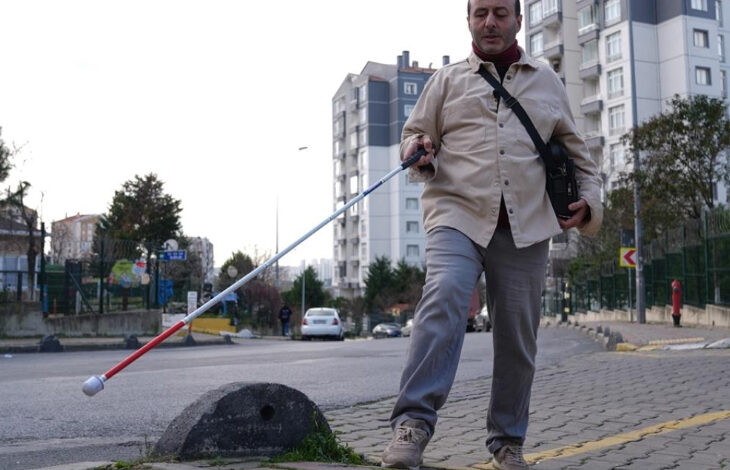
point(368, 113)
point(623, 60)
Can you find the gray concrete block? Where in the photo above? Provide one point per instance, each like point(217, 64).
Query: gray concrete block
point(50, 343)
point(242, 420)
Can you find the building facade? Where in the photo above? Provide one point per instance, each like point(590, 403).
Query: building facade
point(623, 60)
point(368, 113)
point(72, 238)
point(204, 249)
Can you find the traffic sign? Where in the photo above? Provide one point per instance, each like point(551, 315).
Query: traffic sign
point(174, 255)
point(627, 257)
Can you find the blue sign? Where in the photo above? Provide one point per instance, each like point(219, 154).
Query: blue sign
point(176, 255)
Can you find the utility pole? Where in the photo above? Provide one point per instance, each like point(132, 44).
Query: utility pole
point(638, 226)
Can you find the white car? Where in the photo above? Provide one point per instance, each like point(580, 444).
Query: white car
point(322, 323)
point(406, 330)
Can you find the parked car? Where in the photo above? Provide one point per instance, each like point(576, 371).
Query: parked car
point(406, 330)
point(386, 330)
point(482, 321)
point(322, 323)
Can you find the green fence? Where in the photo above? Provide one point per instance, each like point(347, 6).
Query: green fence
point(118, 277)
point(697, 254)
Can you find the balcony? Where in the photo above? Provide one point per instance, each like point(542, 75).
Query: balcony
point(554, 50)
point(591, 105)
point(594, 140)
point(552, 19)
point(579, 4)
point(589, 70)
point(588, 33)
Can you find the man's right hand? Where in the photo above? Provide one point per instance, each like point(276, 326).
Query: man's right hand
point(418, 142)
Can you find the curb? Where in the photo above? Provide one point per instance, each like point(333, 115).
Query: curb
point(106, 346)
point(610, 340)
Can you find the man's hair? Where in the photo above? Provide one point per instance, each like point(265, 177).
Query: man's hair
point(517, 8)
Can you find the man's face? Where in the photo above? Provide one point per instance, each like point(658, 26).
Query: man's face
point(493, 24)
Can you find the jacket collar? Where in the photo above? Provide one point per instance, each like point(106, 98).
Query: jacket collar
point(475, 62)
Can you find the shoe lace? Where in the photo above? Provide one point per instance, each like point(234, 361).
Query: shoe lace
point(513, 455)
point(406, 434)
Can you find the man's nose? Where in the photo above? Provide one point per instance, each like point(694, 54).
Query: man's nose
point(490, 20)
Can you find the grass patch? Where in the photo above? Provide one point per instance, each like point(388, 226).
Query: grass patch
point(320, 445)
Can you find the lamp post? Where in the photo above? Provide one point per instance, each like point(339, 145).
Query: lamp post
point(276, 269)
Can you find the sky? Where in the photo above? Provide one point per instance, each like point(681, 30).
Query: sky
point(215, 97)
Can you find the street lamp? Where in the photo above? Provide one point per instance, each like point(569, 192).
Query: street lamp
point(276, 269)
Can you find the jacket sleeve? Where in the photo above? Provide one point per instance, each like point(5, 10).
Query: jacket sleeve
point(586, 170)
point(424, 120)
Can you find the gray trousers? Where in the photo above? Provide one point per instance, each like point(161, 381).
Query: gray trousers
point(515, 278)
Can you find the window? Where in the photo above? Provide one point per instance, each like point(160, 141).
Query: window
point(700, 38)
point(353, 140)
point(723, 78)
point(536, 44)
point(721, 47)
point(590, 52)
point(549, 7)
point(616, 156)
point(353, 184)
point(411, 227)
point(363, 93)
point(613, 47)
point(702, 76)
point(718, 14)
point(410, 88)
point(535, 13)
point(699, 5)
point(412, 204)
point(362, 137)
point(586, 18)
point(412, 251)
point(364, 115)
point(408, 109)
point(615, 83)
point(616, 120)
point(612, 11)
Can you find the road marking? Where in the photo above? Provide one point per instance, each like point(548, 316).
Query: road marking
point(676, 341)
point(619, 439)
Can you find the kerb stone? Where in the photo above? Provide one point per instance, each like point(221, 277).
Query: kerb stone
point(242, 420)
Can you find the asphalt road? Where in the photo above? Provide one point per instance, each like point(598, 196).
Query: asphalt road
point(47, 420)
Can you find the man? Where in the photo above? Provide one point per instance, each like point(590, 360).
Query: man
point(284, 316)
point(485, 209)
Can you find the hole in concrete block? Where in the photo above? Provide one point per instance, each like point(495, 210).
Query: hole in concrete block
point(267, 412)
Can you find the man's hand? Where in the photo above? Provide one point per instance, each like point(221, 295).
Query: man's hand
point(418, 142)
point(580, 218)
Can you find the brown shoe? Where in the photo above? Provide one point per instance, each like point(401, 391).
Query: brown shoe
point(406, 448)
point(509, 457)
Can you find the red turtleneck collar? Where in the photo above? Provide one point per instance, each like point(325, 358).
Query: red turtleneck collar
point(504, 59)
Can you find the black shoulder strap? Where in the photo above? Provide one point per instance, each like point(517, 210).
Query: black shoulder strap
point(512, 103)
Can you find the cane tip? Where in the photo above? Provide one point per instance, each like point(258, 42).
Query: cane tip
point(93, 385)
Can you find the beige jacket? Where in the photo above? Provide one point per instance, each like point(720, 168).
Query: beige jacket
point(484, 151)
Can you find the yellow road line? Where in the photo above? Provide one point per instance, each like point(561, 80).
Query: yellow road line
point(676, 341)
point(618, 439)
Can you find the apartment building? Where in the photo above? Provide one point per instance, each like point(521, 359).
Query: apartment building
point(72, 238)
point(368, 113)
point(622, 60)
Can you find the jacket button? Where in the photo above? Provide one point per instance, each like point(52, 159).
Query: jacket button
point(494, 211)
point(506, 182)
point(508, 77)
point(511, 211)
point(501, 125)
point(501, 152)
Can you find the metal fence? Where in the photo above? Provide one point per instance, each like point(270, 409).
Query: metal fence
point(696, 253)
point(118, 277)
